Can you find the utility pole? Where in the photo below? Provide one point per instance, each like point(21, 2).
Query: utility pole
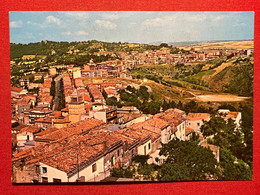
point(78, 164)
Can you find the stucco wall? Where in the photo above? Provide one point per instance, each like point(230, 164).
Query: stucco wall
point(87, 172)
point(22, 137)
point(52, 173)
point(180, 134)
point(140, 149)
point(195, 125)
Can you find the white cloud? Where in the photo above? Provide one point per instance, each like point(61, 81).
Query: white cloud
point(159, 21)
point(77, 15)
point(66, 33)
point(34, 23)
point(53, 19)
point(132, 23)
point(82, 32)
point(16, 24)
point(116, 15)
point(217, 18)
point(239, 25)
point(106, 24)
point(111, 16)
point(195, 17)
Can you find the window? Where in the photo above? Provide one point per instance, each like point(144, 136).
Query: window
point(144, 150)
point(113, 161)
point(44, 179)
point(118, 153)
point(44, 169)
point(56, 180)
point(149, 146)
point(198, 124)
point(37, 169)
point(94, 167)
point(35, 181)
point(28, 137)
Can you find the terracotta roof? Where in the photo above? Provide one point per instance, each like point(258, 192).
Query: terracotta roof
point(188, 130)
point(75, 128)
point(86, 98)
point(65, 109)
point(110, 91)
point(95, 92)
point(62, 154)
point(47, 131)
point(88, 107)
point(56, 114)
point(232, 115)
point(16, 89)
point(31, 129)
point(129, 107)
point(198, 116)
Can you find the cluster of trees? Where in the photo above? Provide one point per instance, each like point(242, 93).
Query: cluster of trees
point(242, 82)
point(145, 102)
point(139, 98)
point(236, 144)
point(236, 79)
point(77, 60)
point(39, 48)
point(186, 160)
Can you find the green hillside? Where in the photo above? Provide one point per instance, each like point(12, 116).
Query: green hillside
point(237, 79)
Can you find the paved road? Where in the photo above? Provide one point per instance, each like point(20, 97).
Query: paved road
point(57, 92)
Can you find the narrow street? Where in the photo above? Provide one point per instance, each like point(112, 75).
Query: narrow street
point(57, 92)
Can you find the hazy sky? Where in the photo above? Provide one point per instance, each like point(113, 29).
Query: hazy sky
point(140, 27)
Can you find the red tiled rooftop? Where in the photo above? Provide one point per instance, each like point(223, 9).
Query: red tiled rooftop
point(16, 89)
point(198, 116)
point(31, 129)
point(232, 115)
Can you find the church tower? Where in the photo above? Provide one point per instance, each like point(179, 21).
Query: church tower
point(76, 107)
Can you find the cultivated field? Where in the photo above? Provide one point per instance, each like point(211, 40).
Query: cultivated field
point(221, 45)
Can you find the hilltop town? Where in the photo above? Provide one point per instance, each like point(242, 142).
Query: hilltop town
point(88, 119)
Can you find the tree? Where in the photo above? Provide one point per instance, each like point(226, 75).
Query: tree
point(143, 93)
point(154, 107)
point(179, 105)
point(200, 162)
point(215, 125)
point(173, 172)
point(191, 106)
point(112, 101)
point(31, 79)
point(225, 135)
point(141, 159)
point(165, 105)
point(233, 168)
point(163, 45)
point(247, 129)
point(194, 138)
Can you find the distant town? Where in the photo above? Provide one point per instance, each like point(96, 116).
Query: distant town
point(107, 117)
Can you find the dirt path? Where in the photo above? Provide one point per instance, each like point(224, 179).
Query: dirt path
point(219, 98)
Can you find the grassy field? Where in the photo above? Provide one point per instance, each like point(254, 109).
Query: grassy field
point(200, 75)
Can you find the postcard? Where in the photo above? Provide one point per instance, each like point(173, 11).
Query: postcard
point(131, 96)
